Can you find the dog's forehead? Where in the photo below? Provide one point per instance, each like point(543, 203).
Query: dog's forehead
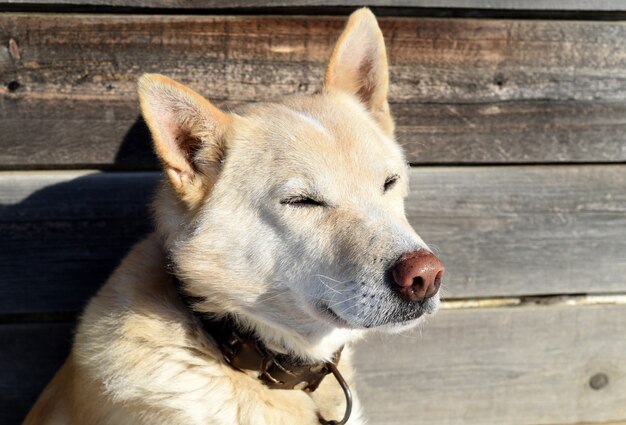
point(332, 132)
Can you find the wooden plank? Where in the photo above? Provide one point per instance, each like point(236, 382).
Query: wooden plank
point(63, 233)
point(503, 231)
point(524, 230)
point(570, 5)
point(477, 91)
point(518, 132)
point(30, 354)
point(515, 366)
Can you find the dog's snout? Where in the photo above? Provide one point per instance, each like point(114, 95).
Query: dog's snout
point(418, 275)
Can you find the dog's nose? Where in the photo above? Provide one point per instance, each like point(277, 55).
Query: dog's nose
point(418, 275)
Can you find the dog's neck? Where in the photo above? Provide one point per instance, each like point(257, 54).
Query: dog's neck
point(243, 350)
point(310, 343)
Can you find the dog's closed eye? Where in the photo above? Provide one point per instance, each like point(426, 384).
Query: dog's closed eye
point(302, 201)
point(390, 182)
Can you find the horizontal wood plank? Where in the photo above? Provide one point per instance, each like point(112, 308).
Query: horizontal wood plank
point(63, 233)
point(480, 366)
point(524, 230)
point(30, 354)
point(572, 5)
point(514, 366)
point(503, 231)
point(463, 91)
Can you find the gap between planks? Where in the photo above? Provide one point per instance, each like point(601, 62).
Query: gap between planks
point(542, 300)
point(594, 423)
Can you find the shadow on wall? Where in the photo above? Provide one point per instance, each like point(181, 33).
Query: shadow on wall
point(63, 233)
point(135, 151)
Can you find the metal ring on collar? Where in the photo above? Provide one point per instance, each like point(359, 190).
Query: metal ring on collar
point(347, 393)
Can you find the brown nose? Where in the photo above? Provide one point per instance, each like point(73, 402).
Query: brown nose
point(418, 275)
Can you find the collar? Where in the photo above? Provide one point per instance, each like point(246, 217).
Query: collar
point(242, 350)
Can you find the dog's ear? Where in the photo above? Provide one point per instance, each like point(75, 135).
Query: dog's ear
point(188, 134)
point(358, 65)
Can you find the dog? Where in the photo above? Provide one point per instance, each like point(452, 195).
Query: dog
point(281, 239)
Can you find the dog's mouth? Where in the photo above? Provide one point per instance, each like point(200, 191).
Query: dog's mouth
point(404, 317)
point(328, 314)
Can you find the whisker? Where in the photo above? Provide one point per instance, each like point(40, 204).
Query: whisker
point(330, 278)
point(338, 291)
point(343, 301)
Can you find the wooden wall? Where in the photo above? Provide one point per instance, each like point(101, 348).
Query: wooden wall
point(513, 115)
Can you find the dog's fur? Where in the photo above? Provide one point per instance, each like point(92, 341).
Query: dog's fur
point(285, 215)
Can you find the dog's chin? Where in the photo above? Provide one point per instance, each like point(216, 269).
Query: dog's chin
point(328, 315)
point(396, 328)
point(384, 323)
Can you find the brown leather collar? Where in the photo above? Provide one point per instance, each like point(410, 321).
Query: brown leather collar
point(243, 351)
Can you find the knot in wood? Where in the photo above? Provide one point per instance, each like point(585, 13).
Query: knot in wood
point(598, 381)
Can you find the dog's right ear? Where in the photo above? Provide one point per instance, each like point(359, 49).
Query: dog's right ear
point(188, 134)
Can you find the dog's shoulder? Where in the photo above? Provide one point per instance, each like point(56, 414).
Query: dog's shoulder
point(137, 339)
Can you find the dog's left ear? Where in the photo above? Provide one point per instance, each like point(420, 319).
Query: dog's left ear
point(358, 65)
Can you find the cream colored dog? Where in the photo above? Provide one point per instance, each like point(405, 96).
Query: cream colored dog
point(286, 216)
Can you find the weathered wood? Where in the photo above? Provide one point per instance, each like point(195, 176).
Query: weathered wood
point(503, 231)
point(478, 366)
point(64, 232)
point(520, 132)
point(30, 354)
point(478, 91)
point(524, 230)
point(526, 365)
point(575, 5)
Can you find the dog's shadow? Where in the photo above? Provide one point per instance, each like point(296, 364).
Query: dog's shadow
point(59, 244)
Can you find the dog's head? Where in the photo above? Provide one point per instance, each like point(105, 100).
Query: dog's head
point(292, 213)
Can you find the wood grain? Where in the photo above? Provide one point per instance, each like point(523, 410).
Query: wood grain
point(523, 230)
point(514, 366)
point(463, 91)
point(573, 5)
point(481, 366)
point(500, 231)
